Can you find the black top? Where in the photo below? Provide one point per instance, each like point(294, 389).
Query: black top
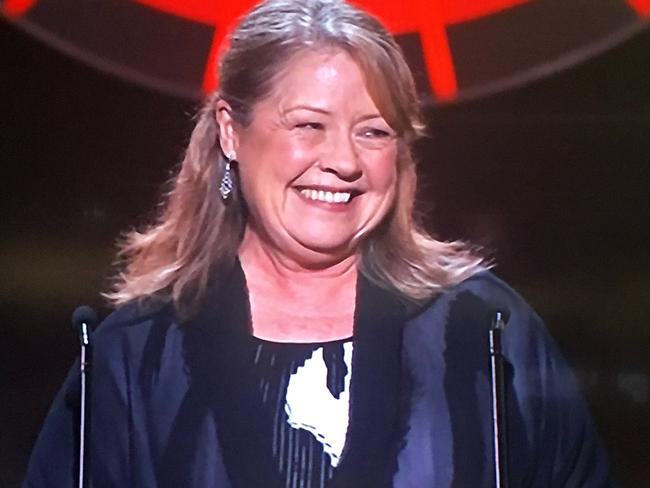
point(246, 424)
point(297, 453)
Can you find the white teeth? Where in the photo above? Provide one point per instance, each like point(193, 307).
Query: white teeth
point(326, 196)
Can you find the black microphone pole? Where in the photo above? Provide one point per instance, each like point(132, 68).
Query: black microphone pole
point(83, 319)
point(499, 407)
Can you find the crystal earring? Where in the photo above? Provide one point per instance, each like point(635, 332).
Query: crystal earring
point(225, 188)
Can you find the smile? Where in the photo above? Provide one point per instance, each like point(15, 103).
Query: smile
point(326, 196)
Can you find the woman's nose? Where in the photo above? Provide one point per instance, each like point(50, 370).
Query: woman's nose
point(342, 158)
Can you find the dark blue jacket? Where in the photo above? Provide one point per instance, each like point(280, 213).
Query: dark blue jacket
point(156, 386)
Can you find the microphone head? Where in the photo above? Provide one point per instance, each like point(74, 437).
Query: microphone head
point(84, 315)
point(500, 314)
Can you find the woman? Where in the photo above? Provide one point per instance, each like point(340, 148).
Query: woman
point(286, 322)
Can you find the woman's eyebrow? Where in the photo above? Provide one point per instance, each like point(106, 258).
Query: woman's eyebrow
point(370, 116)
point(312, 108)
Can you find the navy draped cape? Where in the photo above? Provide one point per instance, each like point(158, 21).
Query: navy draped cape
point(420, 406)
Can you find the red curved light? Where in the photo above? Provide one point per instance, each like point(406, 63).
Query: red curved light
point(430, 19)
point(427, 17)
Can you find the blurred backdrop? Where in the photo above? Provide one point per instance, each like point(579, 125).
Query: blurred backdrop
point(551, 177)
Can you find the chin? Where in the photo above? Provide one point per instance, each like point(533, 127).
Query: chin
point(325, 248)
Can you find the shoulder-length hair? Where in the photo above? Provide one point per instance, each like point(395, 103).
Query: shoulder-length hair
point(196, 234)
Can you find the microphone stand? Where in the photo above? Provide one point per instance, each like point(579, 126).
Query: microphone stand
point(499, 407)
point(83, 319)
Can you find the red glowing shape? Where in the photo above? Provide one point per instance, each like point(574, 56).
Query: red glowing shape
point(430, 18)
point(427, 17)
point(221, 16)
point(16, 8)
point(642, 7)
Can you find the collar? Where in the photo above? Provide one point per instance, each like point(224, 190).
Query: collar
point(215, 348)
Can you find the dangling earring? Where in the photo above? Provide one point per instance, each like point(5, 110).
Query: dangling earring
point(225, 188)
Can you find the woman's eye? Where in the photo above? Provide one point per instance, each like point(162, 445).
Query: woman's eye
point(310, 125)
point(374, 133)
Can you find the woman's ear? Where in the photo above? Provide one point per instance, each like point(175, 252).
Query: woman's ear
point(228, 137)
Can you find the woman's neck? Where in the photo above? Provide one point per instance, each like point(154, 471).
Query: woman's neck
point(293, 303)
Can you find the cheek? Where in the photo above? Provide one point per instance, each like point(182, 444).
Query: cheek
point(284, 162)
point(292, 160)
point(382, 172)
point(265, 166)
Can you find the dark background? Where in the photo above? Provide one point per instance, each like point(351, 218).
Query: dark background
point(552, 178)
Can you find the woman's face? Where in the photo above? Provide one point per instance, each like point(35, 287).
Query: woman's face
point(318, 162)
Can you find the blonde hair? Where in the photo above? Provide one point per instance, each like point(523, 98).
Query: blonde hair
point(196, 234)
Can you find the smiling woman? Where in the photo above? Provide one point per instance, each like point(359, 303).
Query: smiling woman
point(287, 323)
point(318, 171)
point(332, 74)
point(318, 137)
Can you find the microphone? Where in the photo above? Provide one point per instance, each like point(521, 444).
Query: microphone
point(84, 319)
point(499, 406)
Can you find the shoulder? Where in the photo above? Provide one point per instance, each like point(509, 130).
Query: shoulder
point(448, 342)
point(129, 327)
point(493, 292)
point(461, 315)
point(480, 297)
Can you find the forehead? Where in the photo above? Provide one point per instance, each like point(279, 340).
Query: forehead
point(326, 76)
